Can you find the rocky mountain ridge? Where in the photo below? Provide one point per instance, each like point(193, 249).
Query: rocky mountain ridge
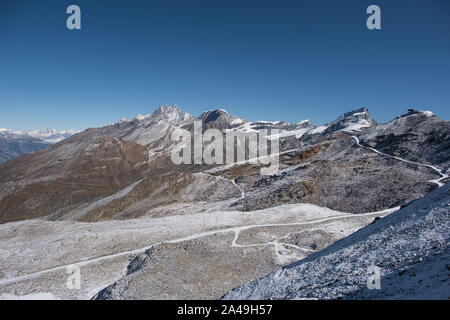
point(98, 163)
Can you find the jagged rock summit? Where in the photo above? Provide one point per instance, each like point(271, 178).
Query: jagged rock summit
point(352, 121)
point(220, 119)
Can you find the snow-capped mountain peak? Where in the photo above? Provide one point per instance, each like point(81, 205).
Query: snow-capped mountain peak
point(352, 121)
point(140, 117)
point(171, 114)
point(46, 132)
point(220, 119)
point(304, 124)
point(50, 135)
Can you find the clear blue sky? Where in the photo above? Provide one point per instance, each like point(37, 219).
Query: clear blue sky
point(272, 60)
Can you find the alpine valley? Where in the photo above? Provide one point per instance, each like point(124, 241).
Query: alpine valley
point(349, 194)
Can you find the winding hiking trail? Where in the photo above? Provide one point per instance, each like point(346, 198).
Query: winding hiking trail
point(278, 246)
point(234, 243)
point(436, 181)
point(241, 190)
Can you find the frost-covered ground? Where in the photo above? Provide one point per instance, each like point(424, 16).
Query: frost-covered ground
point(35, 254)
point(410, 248)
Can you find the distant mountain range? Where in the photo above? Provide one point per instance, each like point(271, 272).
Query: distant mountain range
point(52, 136)
point(15, 143)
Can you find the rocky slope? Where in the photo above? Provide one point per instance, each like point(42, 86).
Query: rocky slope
point(410, 248)
point(420, 137)
point(83, 176)
point(210, 262)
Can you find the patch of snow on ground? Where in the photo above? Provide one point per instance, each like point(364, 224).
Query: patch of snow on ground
point(236, 121)
point(318, 130)
point(361, 124)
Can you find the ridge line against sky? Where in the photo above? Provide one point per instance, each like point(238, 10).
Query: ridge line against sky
point(265, 60)
point(332, 118)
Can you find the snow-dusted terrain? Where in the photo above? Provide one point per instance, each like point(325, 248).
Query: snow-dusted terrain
point(438, 171)
point(410, 248)
point(33, 261)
